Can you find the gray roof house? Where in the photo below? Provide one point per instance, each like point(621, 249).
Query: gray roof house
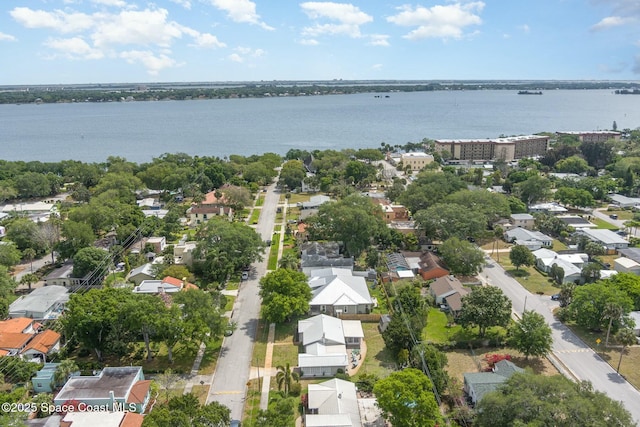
point(336, 291)
point(523, 220)
point(607, 238)
point(333, 403)
point(571, 263)
point(624, 201)
point(315, 255)
point(138, 274)
point(314, 202)
point(41, 304)
point(533, 240)
point(477, 384)
point(325, 340)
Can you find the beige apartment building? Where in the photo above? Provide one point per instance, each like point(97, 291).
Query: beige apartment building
point(507, 149)
point(417, 161)
point(594, 136)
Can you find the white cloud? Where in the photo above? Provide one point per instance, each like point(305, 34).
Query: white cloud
point(439, 21)
point(309, 42)
point(143, 27)
point(376, 66)
point(74, 48)
point(349, 18)
point(207, 40)
point(57, 20)
point(152, 62)
point(379, 40)
point(243, 11)
point(236, 58)
point(114, 3)
point(244, 54)
point(7, 37)
point(524, 28)
point(184, 3)
point(611, 22)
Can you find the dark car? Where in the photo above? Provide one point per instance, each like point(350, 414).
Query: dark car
point(613, 216)
point(555, 297)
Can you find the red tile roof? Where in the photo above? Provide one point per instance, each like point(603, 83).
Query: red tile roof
point(178, 283)
point(44, 341)
point(13, 340)
point(131, 419)
point(15, 326)
point(139, 391)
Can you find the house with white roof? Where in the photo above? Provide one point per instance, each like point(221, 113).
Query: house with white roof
point(571, 264)
point(325, 340)
point(314, 202)
point(41, 304)
point(624, 201)
point(626, 265)
point(533, 240)
point(609, 240)
point(333, 403)
point(336, 291)
point(550, 208)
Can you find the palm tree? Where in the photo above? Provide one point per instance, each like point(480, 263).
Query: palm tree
point(64, 371)
point(284, 377)
point(612, 311)
point(28, 279)
point(626, 337)
point(29, 254)
point(289, 261)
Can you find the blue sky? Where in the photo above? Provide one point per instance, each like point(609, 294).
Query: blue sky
point(104, 41)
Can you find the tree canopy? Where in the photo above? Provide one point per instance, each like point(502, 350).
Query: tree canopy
point(531, 335)
point(445, 220)
point(485, 306)
point(285, 293)
point(461, 256)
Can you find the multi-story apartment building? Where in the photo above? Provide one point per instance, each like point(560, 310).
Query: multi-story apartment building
point(594, 135)
point(507, 149)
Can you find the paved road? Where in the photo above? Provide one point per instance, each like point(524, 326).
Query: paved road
point(234, 364)
point(576, 358)
point(25, 268)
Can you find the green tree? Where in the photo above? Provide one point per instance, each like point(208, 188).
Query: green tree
point(436, 362)
point(625, 337)
point(430, 188)
point(285, 377)
point(142, 315)
point(7, 289)
point(355, 220)
point(445, 220)
point(32, 184)
point(285, 293)
point(76, 236)
point(590, 301)
point(485, 306)
point(593, 249)
point(64, 370)
point(527, 399)
point(590, 272)
point(9, 254)
point(492, 205)
point(22, 232)
point(533, 189)
point(557, 274)
point(521, 255)
point(29, 279)
point(573, 164)
point(88, 260)
point(186, 411)
point(289, 261)
point(292, 174)
point(202, 315)
point(29, 255)
point(531, 335)
point(612, 312)
point(461, 256)
point(406, 399)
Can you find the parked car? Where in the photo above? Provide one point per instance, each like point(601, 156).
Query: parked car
point(245, 275)
point(555, 297)
point(613, 216)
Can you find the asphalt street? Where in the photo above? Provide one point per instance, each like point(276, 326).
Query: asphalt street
point(229, 383)
point(575, 358)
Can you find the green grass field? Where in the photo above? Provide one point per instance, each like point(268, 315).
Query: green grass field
point(529, 277)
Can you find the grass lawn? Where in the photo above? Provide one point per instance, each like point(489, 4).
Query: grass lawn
point(252, 403)
point(623, 214)
point(298, 198)
point(630, 367)
point(283, 354)
point(379, 360)
point(379, 295)
point(284, 332)
point(293, 212)
point(260, 200)
point(230, 300)
point(273, 252)
point(437, 330)
point(529, 277)
point(260, 346)
point(491, 245)
point(210, 358)
point(201, 392)
point(557, 245)
point(254, 216)
point(601, 223)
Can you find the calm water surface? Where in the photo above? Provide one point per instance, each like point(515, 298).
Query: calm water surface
point(140, 131)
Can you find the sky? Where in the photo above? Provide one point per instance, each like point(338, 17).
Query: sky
point(115, 41)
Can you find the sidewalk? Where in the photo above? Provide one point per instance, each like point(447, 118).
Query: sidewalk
point(266, 381)
point(193, 378)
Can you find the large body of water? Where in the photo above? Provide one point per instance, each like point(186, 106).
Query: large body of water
point(139, 131)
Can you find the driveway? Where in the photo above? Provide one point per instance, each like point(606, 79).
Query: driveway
point(228, 385)
point(576, 359)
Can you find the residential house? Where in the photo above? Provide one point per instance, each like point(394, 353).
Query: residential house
point(158, 243)
point(394, 212)
point(631, 253)
point(12, 344)
point(336, 291)
point(624, 201)
point(523, 220)
point(609, 240)
point(477, 384)
point(117, 388)
point(571, 264)
point(533, 240)
point(332, 403)
point(325, 340)
point(404, 227)
point(18, 325)
point(416, 160)
point(102, 419)
point(201, 214)
point(168, 285)
point(314, 202)
point(548, 208)
point(142, 273)
point(426, 264)
point(41, 304)
point(42, 345)
point(63, 276)
point(626, 265)
point(576, 221)
point(43, 381)
point(448, 292)
point(320, 255)
point(183, 252)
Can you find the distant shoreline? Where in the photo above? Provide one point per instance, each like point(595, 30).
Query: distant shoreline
point(123, 92)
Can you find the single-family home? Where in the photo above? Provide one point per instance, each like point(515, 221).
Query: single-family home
point(571, 263)
point(139, 274)
point(447, 291)
point(325, 340)
point(41, 304)
point(631, 253)
point(42, 345)
point(63, 276)
point(43, 381)
point(102, 419)
point(609, 240)
point(337, 291)
point(183, 252)
point(404, 227)
point(552, 208)
point(332, 403)
point(576, 221)
point(116, 388)
point(523, 220)
point(314, 202)
point(320, 255)
point(626, 265)
point(624, 201)
point(12, 343)
point(18, 325)
point(168, 285)
point(477, 384)
point(426, 264)
point(533, 240)
point(158, 243)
